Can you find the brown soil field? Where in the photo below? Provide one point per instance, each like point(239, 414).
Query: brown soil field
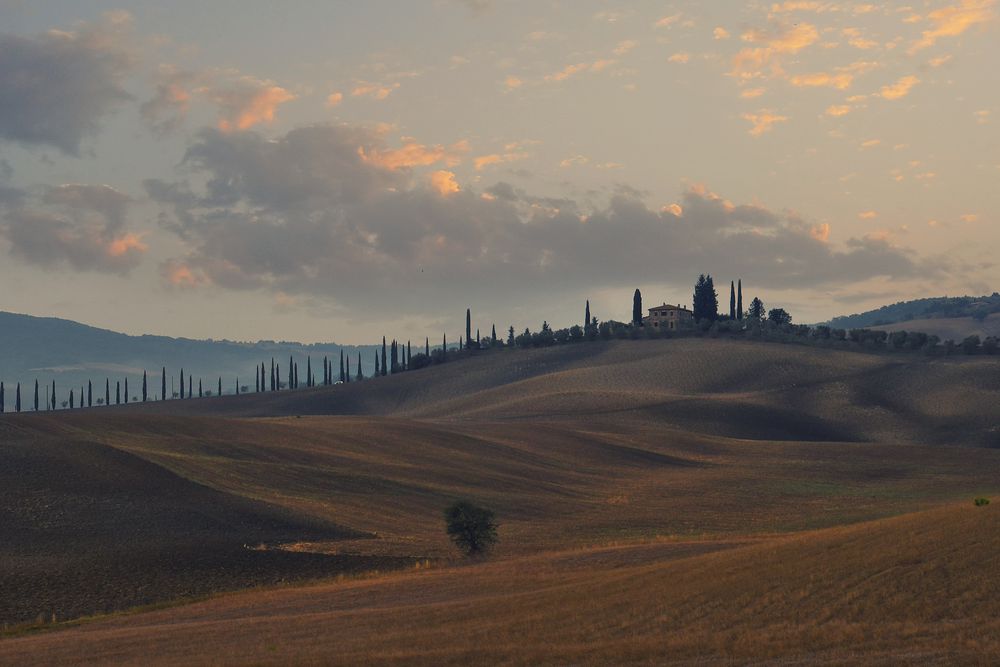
point(659, 501)
point(950, 328)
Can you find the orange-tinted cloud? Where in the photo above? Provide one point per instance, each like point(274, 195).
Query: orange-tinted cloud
point(952, 21)
point(250, 102)
point(868, 215)
point(127, 243)
point(838, 110)
point(334, 99)
point(899, 89)
point(820, 232)
point(763, 121)
point(179, 274)
point(839, 81)
point(414, 154)
point(444, 183)
point(752, 61)
point(375, 91)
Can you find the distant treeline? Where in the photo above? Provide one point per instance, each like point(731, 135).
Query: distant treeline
point(938, 307)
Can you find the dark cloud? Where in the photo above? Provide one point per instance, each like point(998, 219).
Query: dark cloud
point(79, 226)
point(307, 214)
point(57, 86)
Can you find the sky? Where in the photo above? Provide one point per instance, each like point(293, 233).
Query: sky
point(339, 171)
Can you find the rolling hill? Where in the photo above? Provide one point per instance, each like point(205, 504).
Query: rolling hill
point(48, 349)
point(659, 501)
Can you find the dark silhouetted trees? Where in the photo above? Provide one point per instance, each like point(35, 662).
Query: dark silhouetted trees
point(468, 328)
point(144, 389)
point(361, 374)
point(732, 300)
point(35, 404)
point(739, 300)
point(586, 320)
point(385, 370)
point(779, 316)
point(163, 385)
point(756, 310)
point(473, 529)
point(706, 299)
point(637, 308)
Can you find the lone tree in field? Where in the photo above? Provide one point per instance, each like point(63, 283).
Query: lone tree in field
point(472, 529)
point(637, 308)
point(706, 300)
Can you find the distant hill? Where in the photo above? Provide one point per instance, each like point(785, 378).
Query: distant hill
point(921, 309)
point(950, 328)
point(47, 349)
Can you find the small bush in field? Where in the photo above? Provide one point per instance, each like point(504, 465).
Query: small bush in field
point(979, 502)
point(471, 528)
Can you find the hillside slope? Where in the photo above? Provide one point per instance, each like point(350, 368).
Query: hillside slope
point(737, 389)
point(917, 589)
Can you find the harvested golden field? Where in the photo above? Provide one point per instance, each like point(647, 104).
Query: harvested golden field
point(658, 500)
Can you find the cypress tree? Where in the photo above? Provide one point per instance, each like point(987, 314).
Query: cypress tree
point(262, 376)
point(347, 369)
point(126, 390)
point(468, 327)
point(256, 379)
point(17, 398)
point(53, 395)
point(3, 404)
point(586, 319)
point(277, 376)
point(291, 374)
point(409, 355)
point(36, 396)
point(377, 371)
point(444, 347)
point(309, 381)
point(237, 385)
point(144, 393)
point(107, 391)
point(384, 369)
point(182, 383)
point(493, 336)
point(90, 394)
point(118, 392)
point(295, 374)
point(637, 308)
point(272, 374)
point(361, 373)
point(732, 300)
point(200, 393)
point(343, 371)
point(739, 300)
point(395, 358)
point(477, 338)
point(220, 385)
point(461, 345)
point(163, 385)
point(190, 386)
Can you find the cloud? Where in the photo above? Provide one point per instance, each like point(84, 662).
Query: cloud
point(953, 20)
point(899, 89)
point(839, 81)
point(763, 121)
point(838, 110)
point(667, 21)
point(82, 227)
point(751, 62)
point(680, 58)
point(375, 91)
point(334, 99)
point(59, 85)
point(303, 215)
point(513, 152)
point(868, 215)
point(444, 183)
point(512, 82)
point(720, 33)
point(625, 46)
point(247, 102)
point(169, 106)
point(414, 154)
point(752, 93)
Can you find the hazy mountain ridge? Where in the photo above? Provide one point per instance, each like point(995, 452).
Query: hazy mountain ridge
point(929, 308)
point(48, 348)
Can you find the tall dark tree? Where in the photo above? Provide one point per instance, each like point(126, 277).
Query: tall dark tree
point(392, 351)
point(190, 385)
point(342, 370)
point(126, 390)
point(427, 346)
point(637, 308)
point(292, 384)
point(163, 385)
point(461, 345)
point(90, 394)
point(201, 393)
point(739, 300)
point(144, 390)
point(72, 400)
point(510, 336)
point(493, 336)
point(309, 372)
point(409, 355)
point(295, 375)
point(118, 392)
point(237, 392)
point(273, 376)
point(378, 371)
point(444, 347)
point(706, 299)
point(478, 344)
point(36, 396)
point(468, 327)
point(182, 383)
point(53, 396)
point(220, 385)
point(361, 373)
point(347, 368)
point(385, 369)
point(586, 319)
point(3, 401)
point(262, 376)
point(256, 378)
point(732, 300)
point(107, 391)
point(756, 310)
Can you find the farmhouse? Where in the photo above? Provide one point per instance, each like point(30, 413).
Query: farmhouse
point(669, 317)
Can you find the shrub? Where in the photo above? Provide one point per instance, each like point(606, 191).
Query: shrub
point(979, 502)
point(471, 528)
